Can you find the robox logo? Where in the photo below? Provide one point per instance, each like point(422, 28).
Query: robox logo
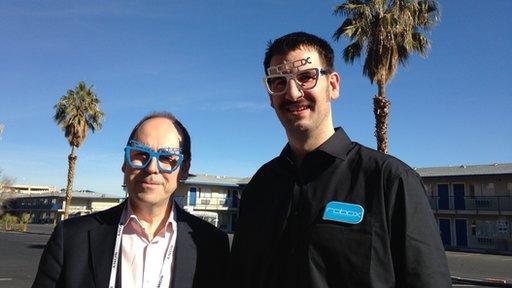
point(343, 212)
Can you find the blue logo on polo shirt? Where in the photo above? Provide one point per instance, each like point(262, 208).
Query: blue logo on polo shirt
point(343, 212)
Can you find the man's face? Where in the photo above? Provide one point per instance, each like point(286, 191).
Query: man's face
point(305, 110)
point(149, 185)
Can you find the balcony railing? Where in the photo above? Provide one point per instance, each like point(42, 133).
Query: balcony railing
point(476, 203)
point(34, 206)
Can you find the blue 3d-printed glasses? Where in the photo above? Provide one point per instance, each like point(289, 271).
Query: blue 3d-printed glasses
point(138, 156)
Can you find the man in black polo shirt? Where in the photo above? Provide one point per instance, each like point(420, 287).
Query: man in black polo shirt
point(329, 212)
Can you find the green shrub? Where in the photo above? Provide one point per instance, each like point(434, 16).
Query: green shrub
point(24, 220)
point(9, 221)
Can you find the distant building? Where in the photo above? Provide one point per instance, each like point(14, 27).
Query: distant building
point(213, 198)
point(29, 189)
point(472, 204)
point(49, 207)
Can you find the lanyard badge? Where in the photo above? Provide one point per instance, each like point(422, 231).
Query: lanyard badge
point(166, 265)
point(343, 212)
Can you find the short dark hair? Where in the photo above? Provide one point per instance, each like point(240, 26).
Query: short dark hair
point(293, 41)
point(185, 143)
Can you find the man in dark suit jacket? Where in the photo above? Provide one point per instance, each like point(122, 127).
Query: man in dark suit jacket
point(83, 251)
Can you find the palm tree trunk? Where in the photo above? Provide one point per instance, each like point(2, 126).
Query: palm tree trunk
point(71, 175)
point(381, 107)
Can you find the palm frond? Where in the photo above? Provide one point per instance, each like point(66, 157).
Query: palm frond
point(340, 32)
point(403, 55)
point(427, 14)
point(352, 52)
point(420, 43)
point(351, 8)
point(77, 112)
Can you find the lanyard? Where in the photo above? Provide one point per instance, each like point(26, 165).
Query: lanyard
point(166, 265)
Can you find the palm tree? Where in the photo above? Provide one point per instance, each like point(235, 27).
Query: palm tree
point(76, 113)
point(388, 31)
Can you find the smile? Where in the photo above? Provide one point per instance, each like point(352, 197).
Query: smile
point(295, 108)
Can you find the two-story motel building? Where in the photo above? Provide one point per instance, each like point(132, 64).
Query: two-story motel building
point(472, 204)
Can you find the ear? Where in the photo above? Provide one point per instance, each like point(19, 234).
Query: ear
point(123, 167)
point(271, 102)
point(183, 171)
point(334, 85)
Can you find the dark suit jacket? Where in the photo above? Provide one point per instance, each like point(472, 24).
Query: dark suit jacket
point(79, 252)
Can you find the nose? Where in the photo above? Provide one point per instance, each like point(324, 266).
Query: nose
point(152, 166)
point(294, 91)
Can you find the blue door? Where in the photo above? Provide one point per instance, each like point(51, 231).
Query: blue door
point(458, 196)
point(446, 234)
point(442, 193)
point(461, 230)
point(192, 196)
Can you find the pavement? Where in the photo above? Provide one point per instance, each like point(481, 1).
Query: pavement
point(20, 254)
point(480, 266)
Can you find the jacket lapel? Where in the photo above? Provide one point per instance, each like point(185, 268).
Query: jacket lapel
point(101, 244)
point(186, 252)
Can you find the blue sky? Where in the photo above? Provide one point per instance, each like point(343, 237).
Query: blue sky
point(202, 61)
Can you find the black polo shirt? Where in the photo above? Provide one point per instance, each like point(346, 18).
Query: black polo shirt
point(282, 239)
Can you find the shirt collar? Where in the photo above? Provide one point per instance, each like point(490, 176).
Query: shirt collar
point(130, 215)
point(338, 145)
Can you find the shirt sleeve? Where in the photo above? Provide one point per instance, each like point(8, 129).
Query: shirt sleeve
point(50, 265)
point(418, 255)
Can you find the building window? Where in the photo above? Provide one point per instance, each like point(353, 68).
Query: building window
point(471, 190)
point(502, 226)
point(489, 189)
point(486, 229)
point(443, 199)
point(509, 188)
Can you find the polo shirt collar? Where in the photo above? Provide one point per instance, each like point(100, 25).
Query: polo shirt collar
point(338, 145)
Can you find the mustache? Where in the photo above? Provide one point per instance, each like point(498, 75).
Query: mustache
point(149, 179)
point(289, 104)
